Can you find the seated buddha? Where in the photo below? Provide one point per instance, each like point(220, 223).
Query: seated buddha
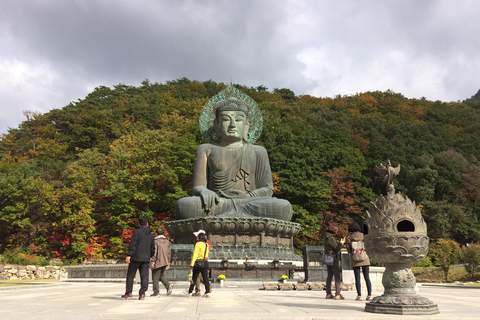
point(232, 177)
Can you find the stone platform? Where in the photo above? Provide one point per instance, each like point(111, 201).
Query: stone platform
point(240, 238)
point(238, 270)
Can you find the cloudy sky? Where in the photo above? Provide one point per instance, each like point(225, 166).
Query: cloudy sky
point(53, 52)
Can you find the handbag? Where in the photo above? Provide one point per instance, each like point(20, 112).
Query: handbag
point(327, 259)
point(200, 264)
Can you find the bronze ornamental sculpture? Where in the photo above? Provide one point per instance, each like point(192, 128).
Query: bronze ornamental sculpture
point(232, 193)
point(396, 235)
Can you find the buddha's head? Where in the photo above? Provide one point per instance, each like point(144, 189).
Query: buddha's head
point(231, 121)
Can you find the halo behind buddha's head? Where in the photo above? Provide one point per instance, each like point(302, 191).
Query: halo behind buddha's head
point(231, 99)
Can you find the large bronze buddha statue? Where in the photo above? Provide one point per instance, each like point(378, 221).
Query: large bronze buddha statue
point(232, 177)
point(232, 187)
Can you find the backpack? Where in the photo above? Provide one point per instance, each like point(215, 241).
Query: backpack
point(358, 251)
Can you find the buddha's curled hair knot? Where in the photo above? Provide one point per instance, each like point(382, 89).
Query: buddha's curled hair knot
point(231, 104)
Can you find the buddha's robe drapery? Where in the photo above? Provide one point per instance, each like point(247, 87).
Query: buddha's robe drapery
point(246, 168)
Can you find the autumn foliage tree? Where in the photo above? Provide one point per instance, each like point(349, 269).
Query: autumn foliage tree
point(445, 252)
point(343, 206)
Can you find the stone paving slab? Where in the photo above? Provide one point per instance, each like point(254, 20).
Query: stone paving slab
point(237, 301)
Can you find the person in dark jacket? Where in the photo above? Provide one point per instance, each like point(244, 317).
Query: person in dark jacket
point(332, 247)
point(355, 234)
point(161, 263)
point(141, 249)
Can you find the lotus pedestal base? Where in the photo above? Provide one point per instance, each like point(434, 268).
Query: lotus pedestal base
point(402, 304)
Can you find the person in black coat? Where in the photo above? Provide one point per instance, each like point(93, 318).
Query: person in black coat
point(142, 247)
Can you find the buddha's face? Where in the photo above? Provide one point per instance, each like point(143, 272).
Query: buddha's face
point(231, 125)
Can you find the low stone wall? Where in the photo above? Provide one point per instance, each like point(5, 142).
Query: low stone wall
point(97, 272)
point(31, 272)
point(102, 262)
point(111, 271)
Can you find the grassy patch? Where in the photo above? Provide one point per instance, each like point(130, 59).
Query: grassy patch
point(13, 283)
point(436, 274)
point(6, 284)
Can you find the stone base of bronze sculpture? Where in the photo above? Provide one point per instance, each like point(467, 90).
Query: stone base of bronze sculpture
point(400, 296)
point(407, 304)
point(240, 238)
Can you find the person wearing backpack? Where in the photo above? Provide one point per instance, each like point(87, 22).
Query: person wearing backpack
point(359, 259)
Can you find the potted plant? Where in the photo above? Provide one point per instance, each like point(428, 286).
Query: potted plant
point(221, 278)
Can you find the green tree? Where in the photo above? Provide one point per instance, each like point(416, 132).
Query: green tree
point(474, 101)
point(78, 202)
point(29, 207)
point(145, 174)
point(445, 252)
point(471, 258)
point(309, 234)
point(285, 93)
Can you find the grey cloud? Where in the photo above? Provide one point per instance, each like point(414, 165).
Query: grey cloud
point(84, 44)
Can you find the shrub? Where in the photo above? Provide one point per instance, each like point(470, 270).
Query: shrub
point(471, 258)
point(425, 262)
point(70, 262)
point(44, 262)
point(20, 256)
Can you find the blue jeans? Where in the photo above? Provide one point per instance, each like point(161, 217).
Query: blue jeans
point(358, 285)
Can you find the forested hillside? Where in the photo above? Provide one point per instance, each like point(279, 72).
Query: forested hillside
point(74, 180)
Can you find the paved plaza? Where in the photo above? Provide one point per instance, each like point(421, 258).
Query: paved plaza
point(80, 300)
